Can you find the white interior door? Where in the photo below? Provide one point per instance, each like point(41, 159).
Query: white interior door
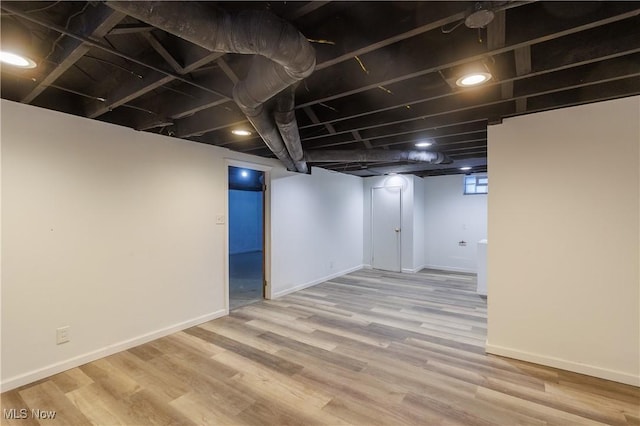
point(386, 231)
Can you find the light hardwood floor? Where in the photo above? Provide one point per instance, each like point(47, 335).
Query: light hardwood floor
point(369, 348)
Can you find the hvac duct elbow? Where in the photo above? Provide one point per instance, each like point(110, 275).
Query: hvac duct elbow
point(271, 137)
point(248, 32)
point(290, 56)
point(283, 55)
point(285, 58)
point(262, 33)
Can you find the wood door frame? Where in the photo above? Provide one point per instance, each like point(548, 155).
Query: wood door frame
point(266, 226)
point(400, 190)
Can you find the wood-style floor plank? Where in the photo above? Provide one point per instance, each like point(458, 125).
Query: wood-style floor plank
point(367, 348)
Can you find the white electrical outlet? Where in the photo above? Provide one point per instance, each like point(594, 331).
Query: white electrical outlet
point(62, 335)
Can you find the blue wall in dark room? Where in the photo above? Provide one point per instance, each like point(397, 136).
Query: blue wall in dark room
point(245, 221)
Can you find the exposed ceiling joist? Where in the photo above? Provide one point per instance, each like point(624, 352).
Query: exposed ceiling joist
point(566, 79)
point(138, 87)
point(496, 30)
point(523, 67)
point(366, 142)
point(601, 49)
point(127, 93)
point(436, 62)
point(162, 51)
point(96, 22)
point(399, 90)
point(130, 29)
point(99, 45)
point(224, 66)
point(206, 121)
point(311, 6)
point(314, 118)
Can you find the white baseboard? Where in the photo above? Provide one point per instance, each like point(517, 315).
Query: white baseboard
point(413, 271)
point(314, 282)
point(589, 370)
point(59, 367)
point(450, 268)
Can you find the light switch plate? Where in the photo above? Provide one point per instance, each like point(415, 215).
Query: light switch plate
point(220, 219)
point(62, 335)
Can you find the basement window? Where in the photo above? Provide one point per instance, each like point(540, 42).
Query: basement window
point(476, 185)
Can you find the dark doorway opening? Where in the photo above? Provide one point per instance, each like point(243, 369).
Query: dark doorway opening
point(246, 236)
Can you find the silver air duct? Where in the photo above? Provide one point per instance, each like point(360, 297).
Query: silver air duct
point(285, 117)
point(283, 57)
point(375, 155)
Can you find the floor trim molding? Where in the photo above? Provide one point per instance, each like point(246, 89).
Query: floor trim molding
point(59, 367)
point(590, 370)
point(450, 268)
point(315, 282)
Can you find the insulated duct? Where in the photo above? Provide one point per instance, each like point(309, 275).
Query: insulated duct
point(285, 117)
point(283, 57)
point(375, 155)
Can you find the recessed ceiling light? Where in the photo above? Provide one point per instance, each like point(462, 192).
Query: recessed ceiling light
point(465, 168)
point(473, 79)
point(15, 44)
point(244, 173)
point(241, 132)
point(424, 144)
point(16, 60)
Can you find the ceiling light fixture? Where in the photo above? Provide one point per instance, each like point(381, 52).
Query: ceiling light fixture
point(473, 79)
point(15, 44)
point(16, 60)
point(470, 74)
point(241, 132)
point(424, 144)
point(244, 173)
point(465, 168)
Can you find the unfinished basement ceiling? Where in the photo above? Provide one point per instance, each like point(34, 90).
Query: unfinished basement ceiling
point(384, 77)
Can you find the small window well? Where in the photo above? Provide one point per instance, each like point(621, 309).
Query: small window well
point(476, 185)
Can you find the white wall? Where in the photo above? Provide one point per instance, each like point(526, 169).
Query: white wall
point(113, 233)
point(407, 236)
point(245, 221)
point(451, 217)
point(317, 227)
point(564, 226)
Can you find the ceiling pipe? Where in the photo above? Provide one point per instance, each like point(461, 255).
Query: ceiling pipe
point(375, 155)
point(284, 56)
point(285, 117)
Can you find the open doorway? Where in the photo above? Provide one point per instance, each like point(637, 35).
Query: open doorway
point(246, 236)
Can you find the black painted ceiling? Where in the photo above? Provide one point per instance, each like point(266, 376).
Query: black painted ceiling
point(384, 77)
